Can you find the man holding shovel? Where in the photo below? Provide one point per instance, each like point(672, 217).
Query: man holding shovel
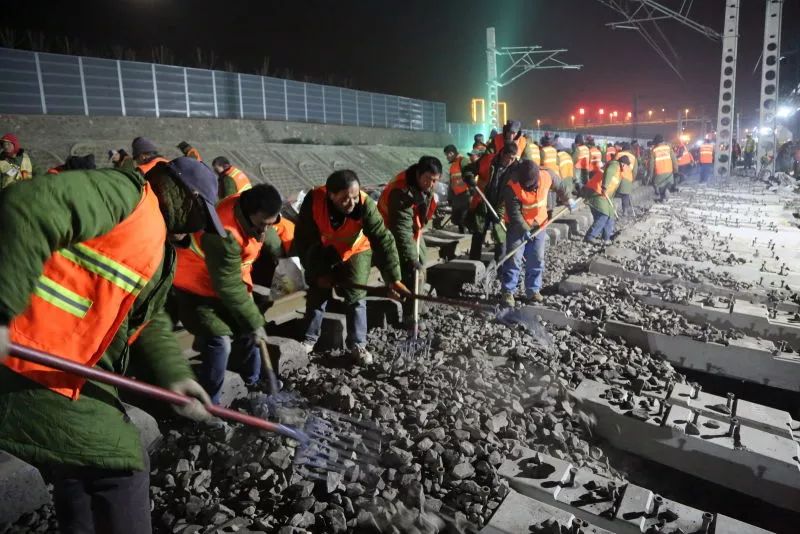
point(338, 231)
point(87, 280)
point(599, 193)
point(407, 205)
point(525, 197)
point(486, 205)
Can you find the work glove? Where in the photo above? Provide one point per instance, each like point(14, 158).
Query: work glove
point(398, 291)
point(494, 219)
point(572, 204)
point(470, 179)
point(4, 343)
point(259, 334)
point(415, 265)
point(194, 410)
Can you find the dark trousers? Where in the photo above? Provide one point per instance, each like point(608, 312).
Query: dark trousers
point(476, 247)
point(662, 193)
point(748, 160)
point(215, 352)
point(705, 171)
point(460, 204)
point(627, 206)
point(89, 500)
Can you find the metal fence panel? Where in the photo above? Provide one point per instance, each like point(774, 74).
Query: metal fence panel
point(171, 91)
point(227, 94)
point(314, 103)
point(252, 100)
point(201, 92)
point(333, 105)
point(61, 80)
point(295, 101)
point(19, 84)
point(349, 107)
point(276, 99)
point(137, 85)
point(102, 86)
point(364, 108)
point(393, 111)
point(63, 84)
point(379, 117)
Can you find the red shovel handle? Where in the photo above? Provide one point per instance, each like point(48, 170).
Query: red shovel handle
point(143, 388)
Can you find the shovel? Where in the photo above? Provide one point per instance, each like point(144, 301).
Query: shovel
point(325, 442)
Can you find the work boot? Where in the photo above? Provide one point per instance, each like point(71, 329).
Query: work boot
point(309, 346)
point(535, 297)
point(591, 240)
point(507, 299)
point(361, 356)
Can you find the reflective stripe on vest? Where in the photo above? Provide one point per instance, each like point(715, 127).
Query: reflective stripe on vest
point(582, 161)
point(627, 174)
point(533, 204)
point(535, 153)
point(550, 158)
point(663, 159)
point(192, 274)
point(194, 153)
point(595, 183)
point(349, 238)
point(240, 179)
point(399, 182)
point(595, 157)
point(144, 168)
point(499, 142)
point(706, 153)
point(565, 165)
point(457, 184)
point(85, 292)
point(686, 158)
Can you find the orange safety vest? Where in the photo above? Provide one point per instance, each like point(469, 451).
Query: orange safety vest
point(595, 183)
point(239, 178)
point(285, 230)
point(457, 184)
point(550, 158)
point(499, 142)
point(627, 174)
point(565, 165)
point(707, 153)
point(54, 170)
point(661, 154)
point(484, 168)
point(595, 158)
point(610, 153)
point(583, 157)
point(194, 153)
point(686, 158)
point(399, 182)
point(192, 274)
point(84, 294)
point(349, 238)
point(144, 168)
point(533, 203)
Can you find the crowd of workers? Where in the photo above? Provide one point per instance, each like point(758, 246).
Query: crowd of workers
point(98, 256)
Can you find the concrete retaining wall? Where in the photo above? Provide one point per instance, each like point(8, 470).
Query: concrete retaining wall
point(292, 156)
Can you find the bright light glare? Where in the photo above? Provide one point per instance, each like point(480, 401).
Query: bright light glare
point(784, 112)
point(698, 143)
point(765, 130)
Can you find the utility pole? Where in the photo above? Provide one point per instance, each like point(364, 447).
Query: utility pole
point(523, 59)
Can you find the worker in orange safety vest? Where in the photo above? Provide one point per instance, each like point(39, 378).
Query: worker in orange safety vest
point(706, 159)
point(232, 179)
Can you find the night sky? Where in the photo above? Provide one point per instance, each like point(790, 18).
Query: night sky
point(431, 49)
